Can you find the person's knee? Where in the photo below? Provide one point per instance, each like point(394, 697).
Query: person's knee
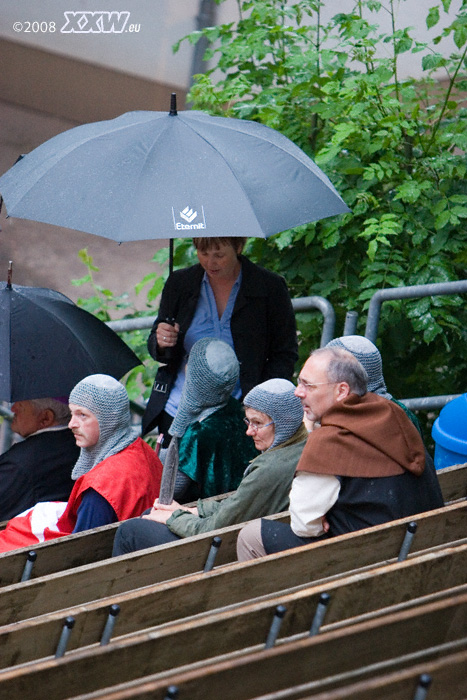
point(121, 540)
point(249, 542)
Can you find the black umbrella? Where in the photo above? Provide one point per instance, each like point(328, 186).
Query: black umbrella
point(48, 344)
point(166, 175)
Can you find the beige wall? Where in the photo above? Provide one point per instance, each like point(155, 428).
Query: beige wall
point(74, 89)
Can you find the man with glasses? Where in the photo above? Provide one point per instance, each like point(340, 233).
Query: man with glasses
point(363, 466)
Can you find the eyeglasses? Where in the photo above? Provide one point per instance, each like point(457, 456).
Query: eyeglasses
point(309, 385)
point(255, 426)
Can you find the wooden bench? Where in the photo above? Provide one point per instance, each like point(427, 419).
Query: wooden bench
point(228, 629)
point(448, 681)
point(197, 592)
point(64, 552)
point(356, 652)
point(95, 545)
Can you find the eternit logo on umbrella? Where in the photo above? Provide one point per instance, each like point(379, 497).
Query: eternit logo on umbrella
point(191, 219)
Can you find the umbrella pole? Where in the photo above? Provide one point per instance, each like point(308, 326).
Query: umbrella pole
point(171, 256)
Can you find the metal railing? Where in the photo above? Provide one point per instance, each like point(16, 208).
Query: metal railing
point(328, 332)
point(413, 292)
point(416, 291)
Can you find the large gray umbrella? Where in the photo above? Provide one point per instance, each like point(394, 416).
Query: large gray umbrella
point(151, 175)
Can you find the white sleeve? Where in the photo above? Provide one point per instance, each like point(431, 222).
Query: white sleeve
point(311, 496)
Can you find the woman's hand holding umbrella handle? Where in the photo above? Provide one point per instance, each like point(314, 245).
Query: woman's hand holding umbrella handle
point(167, 334)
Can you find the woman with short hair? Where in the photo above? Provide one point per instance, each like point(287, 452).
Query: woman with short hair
point(274, 418)
point(224, 296)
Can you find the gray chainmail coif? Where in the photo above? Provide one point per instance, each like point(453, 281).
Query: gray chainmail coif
point(107, 399)
point(276, 398)
point(369, 356)
point(212, 371)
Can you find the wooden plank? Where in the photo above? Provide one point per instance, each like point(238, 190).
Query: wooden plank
point(423, 631)
point(448, 682)
point(453, 482)
point(312, 562)
point(95, 545)
point(65, 552)
point(357, 597)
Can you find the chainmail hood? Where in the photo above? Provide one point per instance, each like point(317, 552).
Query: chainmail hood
point(276, 398)
point(107, 399)
point(369, 356)
point(212, 371)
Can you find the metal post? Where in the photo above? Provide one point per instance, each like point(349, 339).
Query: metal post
point(110, 624)
point(65, 636)
point(31, 558)
point(350, 325)
point(407, 543)
point(210, 559)
point(423, 686)
point(275, 626)
point(321, 610)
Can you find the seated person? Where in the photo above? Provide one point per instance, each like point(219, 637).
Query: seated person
point(363, 466)
point(37, 468)
point(213, 450)
point(370, 358)
point(117, 475)
point(274, 417)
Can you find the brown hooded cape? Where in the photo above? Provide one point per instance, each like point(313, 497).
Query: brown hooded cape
point(364, 436)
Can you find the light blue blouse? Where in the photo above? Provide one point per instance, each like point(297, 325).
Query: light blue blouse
point(205, 324)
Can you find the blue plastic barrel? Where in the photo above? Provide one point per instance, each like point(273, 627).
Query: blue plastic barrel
point(450, 433)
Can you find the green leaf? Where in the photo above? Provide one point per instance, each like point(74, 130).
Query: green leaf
point(82, 280)
point(442, 219)
point(432, 17)
point(147, 278)
point(372, 249)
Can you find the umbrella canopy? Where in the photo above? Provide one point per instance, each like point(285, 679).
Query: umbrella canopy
point(151, 175)
point(48, 344)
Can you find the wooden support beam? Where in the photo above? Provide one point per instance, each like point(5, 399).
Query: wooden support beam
point(390, 642)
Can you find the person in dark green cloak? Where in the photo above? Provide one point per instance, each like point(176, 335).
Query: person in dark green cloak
point(213, 448)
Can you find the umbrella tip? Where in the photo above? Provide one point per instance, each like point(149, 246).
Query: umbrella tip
point(173, 105)
point(10, 274)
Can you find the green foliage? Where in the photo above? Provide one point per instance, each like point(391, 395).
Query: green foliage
point(107, 307)
point(394, 149)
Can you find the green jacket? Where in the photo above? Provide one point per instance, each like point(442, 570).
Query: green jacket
point(264, 490)
point(215, 452)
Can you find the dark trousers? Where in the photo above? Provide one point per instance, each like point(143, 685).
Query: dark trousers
point(277, 537)
point(139, 533)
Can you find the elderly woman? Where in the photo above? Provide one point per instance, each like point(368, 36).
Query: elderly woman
point(213, 449)
point(228, 297)
point(274, 418)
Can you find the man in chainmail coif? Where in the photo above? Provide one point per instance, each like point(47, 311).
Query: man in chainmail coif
point(117, 475)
